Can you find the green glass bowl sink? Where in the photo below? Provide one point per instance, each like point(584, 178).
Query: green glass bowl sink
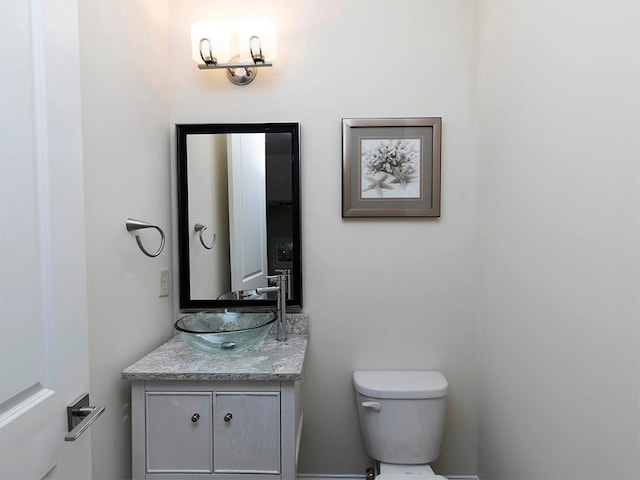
point(225, 332)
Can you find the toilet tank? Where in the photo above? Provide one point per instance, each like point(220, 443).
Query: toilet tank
point(401, 414)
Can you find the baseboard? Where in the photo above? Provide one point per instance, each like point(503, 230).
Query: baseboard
point(316, 476)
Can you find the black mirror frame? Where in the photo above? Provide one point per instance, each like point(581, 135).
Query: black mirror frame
point(186, 303)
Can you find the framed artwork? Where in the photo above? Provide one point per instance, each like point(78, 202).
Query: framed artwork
point(391, 167)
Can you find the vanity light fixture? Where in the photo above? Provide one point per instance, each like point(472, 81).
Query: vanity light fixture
point(210, 48)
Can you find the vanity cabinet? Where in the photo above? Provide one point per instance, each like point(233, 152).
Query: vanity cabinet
point(197, 416)
point(216, 430)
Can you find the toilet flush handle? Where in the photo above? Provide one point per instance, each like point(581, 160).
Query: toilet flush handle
point(375, 406)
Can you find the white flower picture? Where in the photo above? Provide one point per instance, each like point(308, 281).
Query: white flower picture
point(390, 168)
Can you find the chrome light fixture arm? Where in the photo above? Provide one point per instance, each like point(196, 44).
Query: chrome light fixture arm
point(210, 59)
point(238, 72)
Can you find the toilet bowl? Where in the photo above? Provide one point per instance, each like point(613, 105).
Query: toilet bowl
point(402, 419)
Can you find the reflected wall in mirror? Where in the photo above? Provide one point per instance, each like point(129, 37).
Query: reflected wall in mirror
point(238, 212)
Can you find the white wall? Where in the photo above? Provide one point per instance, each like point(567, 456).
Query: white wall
point(558, 239)
point(394, 293)
point(126, 150)
point(557, 190)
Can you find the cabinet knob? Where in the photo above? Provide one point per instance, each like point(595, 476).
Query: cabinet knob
point(195, 417)
point(228, 417)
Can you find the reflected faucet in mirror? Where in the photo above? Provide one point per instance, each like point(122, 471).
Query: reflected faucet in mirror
point(240, 181)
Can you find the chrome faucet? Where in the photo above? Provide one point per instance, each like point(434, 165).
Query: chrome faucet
point(283, 287)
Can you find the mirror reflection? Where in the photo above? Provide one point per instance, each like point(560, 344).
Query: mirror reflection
point(238, 212)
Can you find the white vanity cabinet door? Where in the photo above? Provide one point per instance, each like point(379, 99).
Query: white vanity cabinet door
point(178, 432)
point(246, 429)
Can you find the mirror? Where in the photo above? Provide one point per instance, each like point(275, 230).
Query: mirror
point(238, 212)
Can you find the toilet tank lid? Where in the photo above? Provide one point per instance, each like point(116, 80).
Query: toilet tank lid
point(408, 384)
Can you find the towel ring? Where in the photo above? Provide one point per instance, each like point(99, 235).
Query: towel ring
point(133, 225)
point(198, 227)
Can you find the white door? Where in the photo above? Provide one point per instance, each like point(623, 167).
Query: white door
point(43, 302)
point(247, 210)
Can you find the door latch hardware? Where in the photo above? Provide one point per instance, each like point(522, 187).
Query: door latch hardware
point(80, 416)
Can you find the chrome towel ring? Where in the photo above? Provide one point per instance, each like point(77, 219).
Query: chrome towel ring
point(133, 225)
point(198, 227)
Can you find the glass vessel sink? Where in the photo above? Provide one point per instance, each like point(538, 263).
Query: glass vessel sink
point(225, 332)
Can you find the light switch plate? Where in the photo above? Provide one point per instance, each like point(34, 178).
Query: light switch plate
point(164, 282)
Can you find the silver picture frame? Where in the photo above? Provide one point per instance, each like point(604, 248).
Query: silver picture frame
point(391, 167)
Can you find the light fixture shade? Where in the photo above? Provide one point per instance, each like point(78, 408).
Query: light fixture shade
point(216, 35)
point(265, 30)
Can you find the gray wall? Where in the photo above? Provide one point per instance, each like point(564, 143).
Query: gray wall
point(558, 239)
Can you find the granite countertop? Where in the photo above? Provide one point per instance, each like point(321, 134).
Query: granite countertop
point(270, 360)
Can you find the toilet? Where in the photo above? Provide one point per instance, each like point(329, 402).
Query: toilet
point(402, 419)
